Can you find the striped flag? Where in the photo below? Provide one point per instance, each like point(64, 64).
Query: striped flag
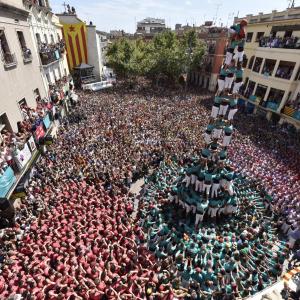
point(76, 44)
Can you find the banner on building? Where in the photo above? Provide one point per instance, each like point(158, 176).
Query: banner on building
point(31, 144)
point(76, 45)
point(22, 157)
point(7, 179)
point(39, 132)
point(47, 121)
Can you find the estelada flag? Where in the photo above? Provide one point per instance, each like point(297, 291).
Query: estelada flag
point(76, 44)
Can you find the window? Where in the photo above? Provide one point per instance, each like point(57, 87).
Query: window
point(285, 69)
point(27, 57)
point(260, 92)
point(8, 58)
point(52, 38)
point(38, 38)
point(275, 96)
point(288, 33)
point(23, 108)
point(257, 64)
point(250, 89)
point(45, 38)
point(259, 35)
point(36, 94)
point(298, 75)
point(249, 37)
point(21, 39)
point(268, 67)
point(251, 62)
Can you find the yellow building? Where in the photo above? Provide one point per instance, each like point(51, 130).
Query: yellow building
point(272, 70)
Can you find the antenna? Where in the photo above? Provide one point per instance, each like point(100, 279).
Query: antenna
point(65, 6)
point(218, 5)
point(291, 3)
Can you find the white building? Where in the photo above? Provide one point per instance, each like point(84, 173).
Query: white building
point(21, 80)
point(150, 26)
point(47, 34)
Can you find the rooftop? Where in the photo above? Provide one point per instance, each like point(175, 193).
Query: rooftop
point(153, 21)
point(286, 15)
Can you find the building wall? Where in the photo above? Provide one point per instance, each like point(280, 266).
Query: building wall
point(94, 50)
point(264, 23)
point(42, 23)
point(20, 81)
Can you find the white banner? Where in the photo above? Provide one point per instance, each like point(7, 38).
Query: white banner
point(22, 157)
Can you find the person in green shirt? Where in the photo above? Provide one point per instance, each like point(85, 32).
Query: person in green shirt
point(216, 107)
point(239, 72)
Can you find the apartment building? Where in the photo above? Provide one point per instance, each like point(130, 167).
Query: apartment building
point(148, 27)
point(272, 68)
point(206, 75)
point(46, 31)
point(21, 79)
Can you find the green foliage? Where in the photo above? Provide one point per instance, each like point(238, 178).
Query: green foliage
point(165, 56)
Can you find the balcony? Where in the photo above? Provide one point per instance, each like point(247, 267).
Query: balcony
point(27, 56)
point(51, 53)
point(9, 60)
point(280, 42)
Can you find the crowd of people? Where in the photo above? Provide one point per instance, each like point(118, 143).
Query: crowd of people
point(80, 234)
point(291, 42)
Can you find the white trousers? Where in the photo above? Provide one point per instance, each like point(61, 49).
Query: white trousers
point(239, 56)
point(206, 188)
point(207, 138)
point(228, 58)
point(228, 82)
point(212, 212)
point(223, 110)
point(217, 133)
point(231, 113)
point(236, 87)
point(226, 140)
point(221, 85)
point(187, 180)
point(230, 187)
point(214, 190)
point(199, 218)
point(199, 186)
point(193, 179)
point(214, 112)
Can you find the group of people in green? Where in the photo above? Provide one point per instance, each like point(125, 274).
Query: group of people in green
point(210, 221)
point(234, 258)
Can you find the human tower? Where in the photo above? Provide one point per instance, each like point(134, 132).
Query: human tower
point(208, 186)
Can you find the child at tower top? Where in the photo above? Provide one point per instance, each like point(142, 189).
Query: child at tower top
point(238, 34)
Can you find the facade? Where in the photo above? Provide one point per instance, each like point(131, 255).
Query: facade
point(95, 44)
point(150, 26)
point(21, 79)
point(272, 70)
point(46, 32)
point(206, 76)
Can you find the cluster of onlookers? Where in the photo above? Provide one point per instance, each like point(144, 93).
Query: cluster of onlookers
point(80, 234)
point(280, 42)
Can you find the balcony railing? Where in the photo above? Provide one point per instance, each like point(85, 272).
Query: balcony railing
point(291, 112)
point(51, 53)
point(9, 60)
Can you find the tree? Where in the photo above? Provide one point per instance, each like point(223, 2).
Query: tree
point(166, 56)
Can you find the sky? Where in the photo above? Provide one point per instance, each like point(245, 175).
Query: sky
point(123, 14)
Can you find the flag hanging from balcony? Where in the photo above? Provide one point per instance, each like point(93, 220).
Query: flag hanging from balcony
point(75, 39)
